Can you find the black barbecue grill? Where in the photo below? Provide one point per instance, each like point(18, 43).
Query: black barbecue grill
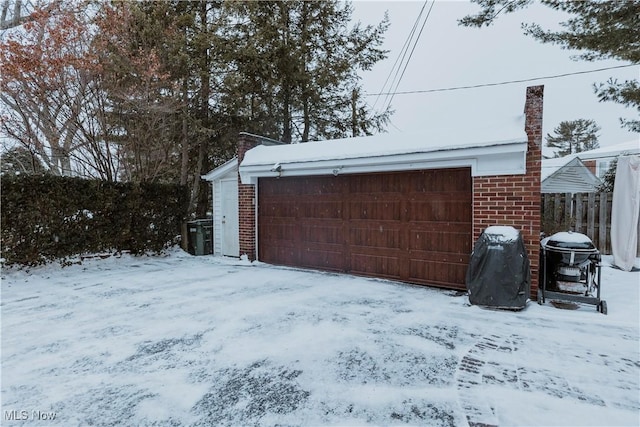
point(570, 266)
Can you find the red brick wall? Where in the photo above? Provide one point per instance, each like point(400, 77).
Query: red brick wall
point(591, 165)
point(515, 199)
point(246, 203)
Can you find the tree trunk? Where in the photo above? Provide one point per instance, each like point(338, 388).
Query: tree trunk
point(285, 74)
point(200, 198)
point(307, 121)
point(306, 113)
point(184, 165)
point(354, 113)
point(286, 131)
point(195, 191)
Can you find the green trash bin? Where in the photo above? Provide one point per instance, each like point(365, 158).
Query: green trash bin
point(200, 237)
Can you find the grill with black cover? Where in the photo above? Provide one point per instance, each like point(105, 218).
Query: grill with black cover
point(498, 275)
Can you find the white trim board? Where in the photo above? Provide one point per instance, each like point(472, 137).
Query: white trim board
point(500, 158)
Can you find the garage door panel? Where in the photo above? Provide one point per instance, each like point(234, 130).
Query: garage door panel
point(330, 209)
point(322, 256)
point(437, 256)
point(279, 191)
point(322, 232)
point(443, 226)
point(433, 181)
point(440, 210)
point(439, 196)
point(390, 210)
point(454, 242)
point(412, 226)
point(377, 184)
point(319, 185)
point(281, 254)
point(278, 229)
point(376, 235)
point(278, 209)
point(378, 251)
point(438, 273)
point(375, 265)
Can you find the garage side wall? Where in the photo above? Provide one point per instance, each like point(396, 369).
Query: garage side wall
point(515, 199)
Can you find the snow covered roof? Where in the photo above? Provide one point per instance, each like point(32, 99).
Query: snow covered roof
point(629, 147)
point(221, 170)
point(548, 152)
point(549, 166)
point(497, 150)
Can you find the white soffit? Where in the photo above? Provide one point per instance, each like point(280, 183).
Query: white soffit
point(500, 152)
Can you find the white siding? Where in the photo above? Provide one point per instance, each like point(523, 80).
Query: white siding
point(572, 177)
point(229, 175)
point(217, 215)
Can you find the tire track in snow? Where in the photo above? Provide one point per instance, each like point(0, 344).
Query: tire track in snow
point(469, 379)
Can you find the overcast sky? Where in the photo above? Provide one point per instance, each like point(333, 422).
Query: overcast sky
point(448, 55)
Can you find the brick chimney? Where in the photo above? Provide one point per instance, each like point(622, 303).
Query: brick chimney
point(246, 202)
point(533, 128)
point(515, 199)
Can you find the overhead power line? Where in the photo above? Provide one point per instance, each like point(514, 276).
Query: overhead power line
point(402, 59)
point(412, 50)
point(399, 60)
point(556, 76)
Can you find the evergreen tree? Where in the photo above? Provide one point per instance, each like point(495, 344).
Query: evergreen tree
point(293, 69)
point(600, 29)
point(19, 160)
point(136, 42)
point(609, 178)
point(574, 136)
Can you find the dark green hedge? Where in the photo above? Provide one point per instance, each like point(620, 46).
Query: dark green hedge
point(46, 218)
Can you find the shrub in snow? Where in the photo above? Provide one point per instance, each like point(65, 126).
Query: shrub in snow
point(46, 218)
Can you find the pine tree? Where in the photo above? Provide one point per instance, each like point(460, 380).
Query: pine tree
point(575, 136)
point(600, 29)
point(609, 178)
point(295, 69)
point(135, 42)
point(19, 160)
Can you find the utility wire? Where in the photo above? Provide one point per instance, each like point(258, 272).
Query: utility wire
point(390, 121)
point(400, 58)
point(500, 83)
point(400, 55)
point(415, 43)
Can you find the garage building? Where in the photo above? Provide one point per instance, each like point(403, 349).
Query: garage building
point(404, 207)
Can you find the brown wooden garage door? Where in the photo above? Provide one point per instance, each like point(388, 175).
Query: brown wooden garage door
point(409, 226)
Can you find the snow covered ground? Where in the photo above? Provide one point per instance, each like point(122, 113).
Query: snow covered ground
point(181, 340)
